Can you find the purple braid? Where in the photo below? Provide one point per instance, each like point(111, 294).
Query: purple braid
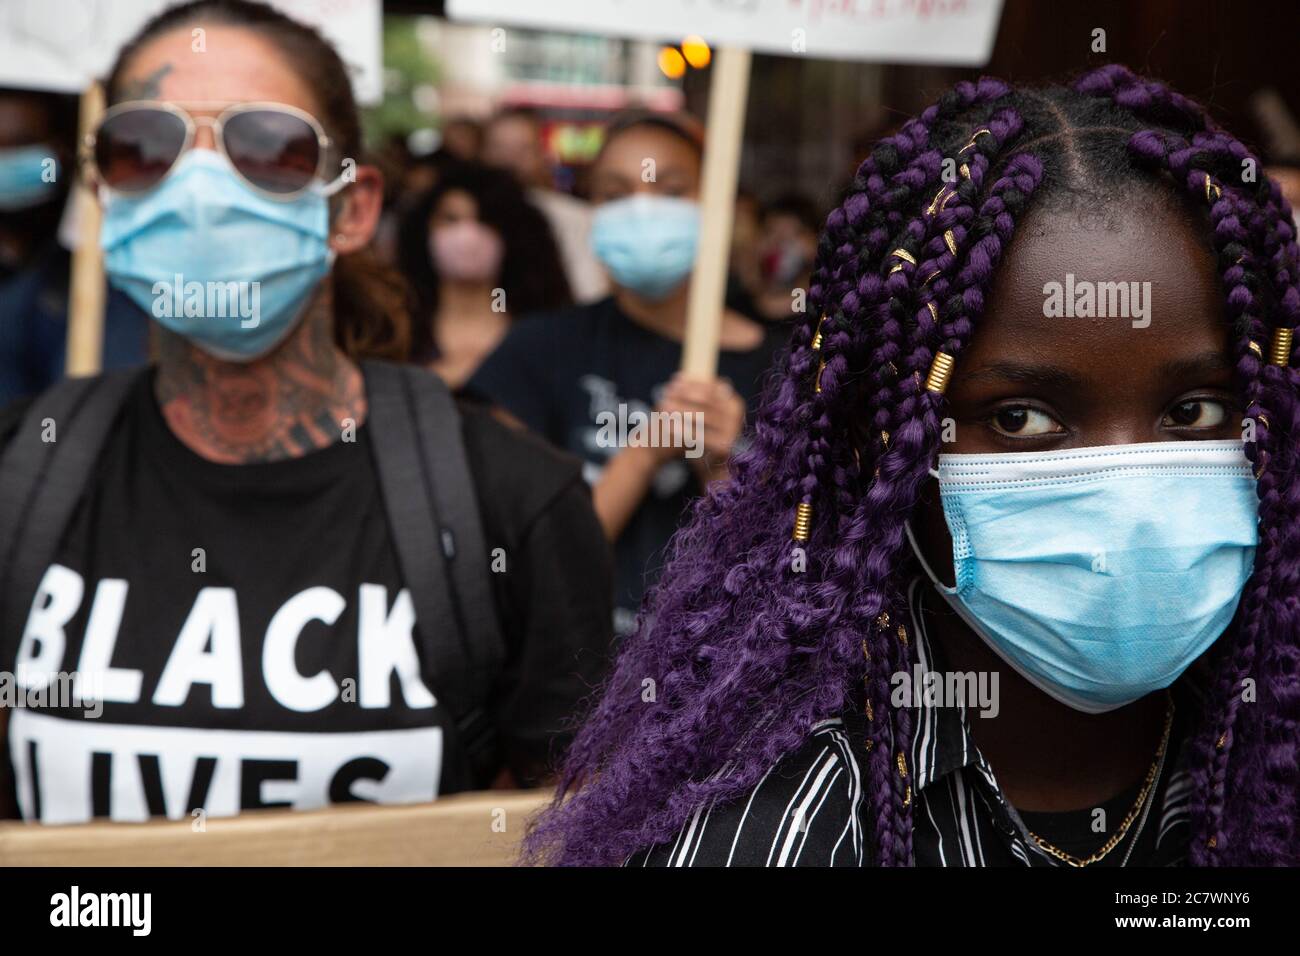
point(740, 650)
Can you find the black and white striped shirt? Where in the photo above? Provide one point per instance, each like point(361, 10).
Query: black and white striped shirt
point(811, 808)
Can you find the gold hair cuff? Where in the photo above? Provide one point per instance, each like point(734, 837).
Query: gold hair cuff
point(817, 335)
point(951, 240)
point(970, 144)
point(1254, 347)
point(1279, 352)
point(934, 310)
point(940, 200)
point(940, 370)
point(817, 386)
point(802, 521)
point(1212, 190)
point(901, 254)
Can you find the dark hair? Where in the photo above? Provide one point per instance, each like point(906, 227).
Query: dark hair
point(747, 655)
point(681, 125)
point(370, 301)
point(795, 205)
point(531, 271)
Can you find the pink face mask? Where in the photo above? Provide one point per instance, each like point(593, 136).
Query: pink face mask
point(466, 251)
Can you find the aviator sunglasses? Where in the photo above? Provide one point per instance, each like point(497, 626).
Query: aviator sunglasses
point(278, 150)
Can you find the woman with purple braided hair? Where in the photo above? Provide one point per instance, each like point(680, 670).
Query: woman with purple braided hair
point(1010, 573)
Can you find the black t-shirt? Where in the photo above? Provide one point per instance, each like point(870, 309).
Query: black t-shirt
point(558, 372)
point(252, 640)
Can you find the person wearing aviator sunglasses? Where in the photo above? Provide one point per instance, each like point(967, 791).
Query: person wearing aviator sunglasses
point(266, 558)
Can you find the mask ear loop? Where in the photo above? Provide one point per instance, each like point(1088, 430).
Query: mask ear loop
point(916, 549)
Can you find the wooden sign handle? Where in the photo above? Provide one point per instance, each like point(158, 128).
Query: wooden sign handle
point(86, 311)
point(728, 94)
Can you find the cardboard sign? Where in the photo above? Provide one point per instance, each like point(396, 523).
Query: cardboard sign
point(63, 45)
point(888, 31)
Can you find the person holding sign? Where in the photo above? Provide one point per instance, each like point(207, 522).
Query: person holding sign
point(600, 380)
point(1007, 577)
point(276, 570)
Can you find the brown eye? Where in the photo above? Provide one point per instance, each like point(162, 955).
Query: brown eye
point(1022, 421)
point(1198, 413)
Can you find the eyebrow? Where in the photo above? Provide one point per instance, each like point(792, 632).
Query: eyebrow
point(1055, 377)
point(1207, 363)
point(1043, 376)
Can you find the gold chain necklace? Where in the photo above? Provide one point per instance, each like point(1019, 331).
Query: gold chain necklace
point(1120, 833)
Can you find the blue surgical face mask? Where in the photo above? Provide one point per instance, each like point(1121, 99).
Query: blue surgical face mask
point(1099, 574)
point(28, 176)
point(215, 261)
point(647, 242)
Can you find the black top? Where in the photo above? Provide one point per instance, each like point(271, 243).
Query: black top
point(811, 808)
point(252, 640)
point(557, 372)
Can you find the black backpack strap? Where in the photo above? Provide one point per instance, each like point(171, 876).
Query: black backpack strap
point(41, 482)
point(434, 519)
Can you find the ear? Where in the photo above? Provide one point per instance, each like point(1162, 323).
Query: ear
point(356, 217)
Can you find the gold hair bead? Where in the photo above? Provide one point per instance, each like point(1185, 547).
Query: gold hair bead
point(964, 170)
point(1254, 347)
point(1213, 842)
point(950, 239)
point(940, 370)
point(817, 335)
point(884, 439)
point(907, 796)
point(871, 714)
point(821, 367)
point(902, 765)
point(882, 620)
point(902, 634)
point(1213, 187)
point(802, 521)
point(1223, 739)
point(1279, 352)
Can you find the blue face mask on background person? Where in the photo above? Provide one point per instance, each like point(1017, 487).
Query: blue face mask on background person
point(203, 224)
point(1099, 574)
point(28, 176)
point(647, 242)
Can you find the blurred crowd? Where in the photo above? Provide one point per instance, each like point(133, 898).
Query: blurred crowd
point(555, 305)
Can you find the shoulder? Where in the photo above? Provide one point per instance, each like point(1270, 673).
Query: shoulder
point(517, 474)
point(807, 810)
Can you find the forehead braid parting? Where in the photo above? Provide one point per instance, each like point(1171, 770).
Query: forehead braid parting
point(751, 638)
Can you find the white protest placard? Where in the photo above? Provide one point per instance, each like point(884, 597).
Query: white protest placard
point(63, 45)
point(886, 31)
